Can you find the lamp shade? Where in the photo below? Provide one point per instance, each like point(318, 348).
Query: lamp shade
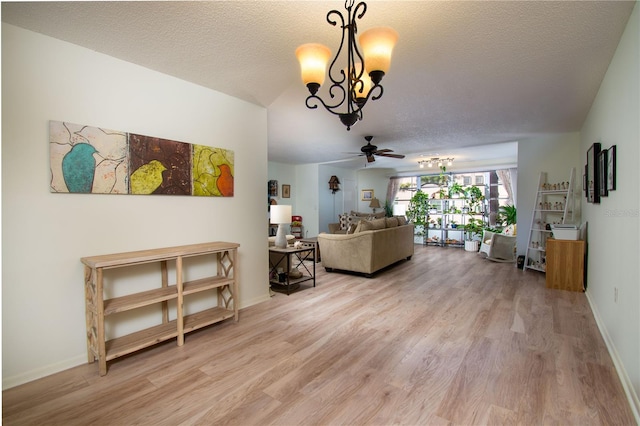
point(280, 214)
point(375, 203)
point(313, 58)
point(377, 45)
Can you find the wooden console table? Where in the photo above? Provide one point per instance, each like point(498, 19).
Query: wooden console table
point(97, 307)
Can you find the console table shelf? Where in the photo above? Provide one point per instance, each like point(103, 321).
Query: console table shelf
point(224, 283)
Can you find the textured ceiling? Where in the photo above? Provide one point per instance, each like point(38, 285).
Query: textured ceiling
point(464, 75)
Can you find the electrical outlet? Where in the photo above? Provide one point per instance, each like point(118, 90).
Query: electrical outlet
point(615, 294)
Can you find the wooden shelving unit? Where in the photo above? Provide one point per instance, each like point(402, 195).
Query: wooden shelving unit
point(552, 205)
point(97, 307)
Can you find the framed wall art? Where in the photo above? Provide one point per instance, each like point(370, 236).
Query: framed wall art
point(602, 173)
point(593, 180)
point(366, 195)
point(272, 188)
point(611, 168)
point(286, 191)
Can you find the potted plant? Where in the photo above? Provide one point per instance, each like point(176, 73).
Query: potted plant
point(388, 209)
point(456, 190)
point(475, 197)
point(473, 228)
point(417, 211)
point(508, 214)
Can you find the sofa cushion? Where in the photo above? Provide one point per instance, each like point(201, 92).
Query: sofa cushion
point(379, 223)
point(391, 222)
point(402, 220)
point(363, 225)
point(353, 227)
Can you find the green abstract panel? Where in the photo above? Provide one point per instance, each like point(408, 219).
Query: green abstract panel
point(213, 171)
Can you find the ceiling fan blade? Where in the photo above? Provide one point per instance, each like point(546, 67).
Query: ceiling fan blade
point(383, 150)
point(389, 155)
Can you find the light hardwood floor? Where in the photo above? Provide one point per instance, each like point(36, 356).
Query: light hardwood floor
point(446, 338)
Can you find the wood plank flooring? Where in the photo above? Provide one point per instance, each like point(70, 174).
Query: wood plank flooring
point(446, 338)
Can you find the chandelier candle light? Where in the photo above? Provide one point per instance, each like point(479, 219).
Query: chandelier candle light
point(350, 85)
point(281, 215)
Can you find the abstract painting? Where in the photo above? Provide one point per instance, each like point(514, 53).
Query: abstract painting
point(159, 166)
point(85, 159)
point(88, 159)
point(212, 171)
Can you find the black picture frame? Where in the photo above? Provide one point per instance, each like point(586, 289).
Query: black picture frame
point(593, 181)
point(585, 186)
point(611, 168)
point(602, 173)
point(272, 188)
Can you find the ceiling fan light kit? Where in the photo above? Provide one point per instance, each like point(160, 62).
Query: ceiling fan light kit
point(350, 87)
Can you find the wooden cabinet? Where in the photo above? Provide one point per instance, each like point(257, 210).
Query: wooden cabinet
point(565, 264)
point(224, 284)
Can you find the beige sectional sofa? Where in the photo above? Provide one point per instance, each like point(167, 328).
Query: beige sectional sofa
point(372, 246)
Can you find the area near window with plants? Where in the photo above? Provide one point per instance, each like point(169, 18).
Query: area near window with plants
point(454, 209)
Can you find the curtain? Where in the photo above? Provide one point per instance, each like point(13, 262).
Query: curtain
point(392, 189)
point(507, 177)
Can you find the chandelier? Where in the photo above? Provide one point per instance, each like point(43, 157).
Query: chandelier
point(435, 161)
point(355, 81)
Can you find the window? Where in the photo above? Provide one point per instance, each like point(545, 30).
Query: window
point(479, 180)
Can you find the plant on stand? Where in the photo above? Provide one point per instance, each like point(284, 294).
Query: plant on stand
point(417, 211)
point(473, 228)
point(456, 190)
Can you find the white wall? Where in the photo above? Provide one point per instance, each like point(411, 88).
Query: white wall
point(331, 205)
point(554, 154)
point(376, 179)
point(44, 235)
point(614, 229)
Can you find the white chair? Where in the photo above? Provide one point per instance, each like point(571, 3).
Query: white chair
point(498, 247)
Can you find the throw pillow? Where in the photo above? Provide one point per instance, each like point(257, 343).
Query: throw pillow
point(379, 223)
point(401, 220)
point(343, 218)
point(353, 227)
point(391, 222)
point(363, 225)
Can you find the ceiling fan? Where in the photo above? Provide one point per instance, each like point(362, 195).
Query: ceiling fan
point(371, 150)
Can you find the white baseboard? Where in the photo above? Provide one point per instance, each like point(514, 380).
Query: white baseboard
point(38, 373)
point(632, 396)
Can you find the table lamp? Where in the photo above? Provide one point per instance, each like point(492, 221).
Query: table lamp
point(375, 204)
point(281, 215)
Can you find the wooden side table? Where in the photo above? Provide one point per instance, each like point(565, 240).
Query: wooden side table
point(565, 264)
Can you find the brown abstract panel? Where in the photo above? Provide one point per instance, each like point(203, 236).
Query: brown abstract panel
point(159, 166)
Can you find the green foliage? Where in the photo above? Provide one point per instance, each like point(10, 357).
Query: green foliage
point(474, 194)
point(456, 188)
point(388, 209)
point(418, 208)
point(508, 214)
point(474, 227)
